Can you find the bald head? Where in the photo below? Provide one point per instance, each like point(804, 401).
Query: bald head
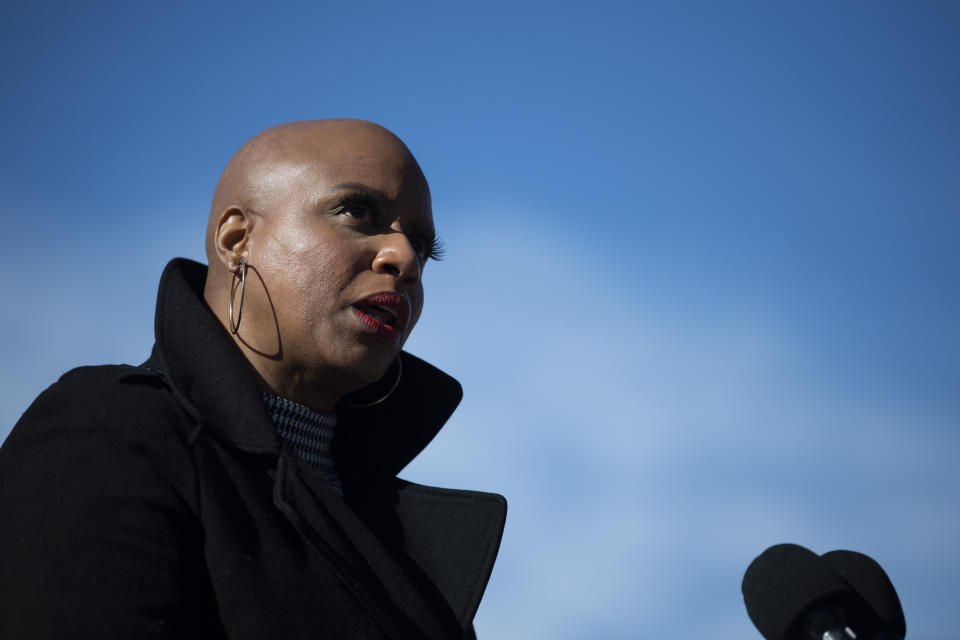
point(269, 164)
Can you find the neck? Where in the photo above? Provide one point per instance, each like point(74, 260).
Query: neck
point(298, 388)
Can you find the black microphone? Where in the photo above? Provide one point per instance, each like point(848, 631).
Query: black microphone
point(872, 584)
point(791, 593)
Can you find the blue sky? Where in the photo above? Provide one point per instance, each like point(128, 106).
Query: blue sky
point(702, 285)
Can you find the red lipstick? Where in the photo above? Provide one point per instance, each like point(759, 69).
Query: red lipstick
point(385, 313)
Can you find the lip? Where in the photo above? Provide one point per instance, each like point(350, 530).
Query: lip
point(396, 304)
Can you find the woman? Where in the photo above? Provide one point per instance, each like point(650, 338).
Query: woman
point(242, 483)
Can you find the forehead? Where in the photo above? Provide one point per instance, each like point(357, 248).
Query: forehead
point(354, 150)
point(324, 166)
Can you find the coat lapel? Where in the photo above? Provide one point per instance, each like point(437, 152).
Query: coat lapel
point(375, 574)
point(460, 559)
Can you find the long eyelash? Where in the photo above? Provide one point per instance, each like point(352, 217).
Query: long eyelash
point(437, 250)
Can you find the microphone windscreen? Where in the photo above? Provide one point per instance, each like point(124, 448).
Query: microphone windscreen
point(872, 584)
point(783, 583)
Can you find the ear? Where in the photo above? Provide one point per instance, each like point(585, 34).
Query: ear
point(231, 237)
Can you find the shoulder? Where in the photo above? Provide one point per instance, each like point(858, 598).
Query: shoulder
point(99, 494)
point(104, 389)
point(123, 397)
point(116, 416)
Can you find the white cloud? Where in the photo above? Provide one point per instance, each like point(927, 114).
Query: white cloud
point(650, 450)
point(651, 441)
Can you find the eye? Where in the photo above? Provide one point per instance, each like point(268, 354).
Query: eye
point(356, 210)
point(358, 206)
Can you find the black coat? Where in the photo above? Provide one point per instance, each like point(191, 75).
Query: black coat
point(159, 502)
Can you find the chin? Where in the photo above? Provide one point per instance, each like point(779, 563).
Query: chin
point(369, 369)
point(371, 383)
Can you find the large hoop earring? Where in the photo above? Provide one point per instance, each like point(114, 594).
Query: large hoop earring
point(379, 400)
point(233, 290)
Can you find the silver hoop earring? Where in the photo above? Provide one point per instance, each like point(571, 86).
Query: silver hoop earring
point(393, 388)
point(233, 290)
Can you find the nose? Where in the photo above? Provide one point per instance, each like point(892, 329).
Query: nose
point(397, 257)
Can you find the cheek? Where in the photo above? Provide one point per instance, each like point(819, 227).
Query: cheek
point(306, 274)
point(416, 304)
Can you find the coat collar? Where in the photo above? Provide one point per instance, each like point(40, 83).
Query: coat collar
point(429, 586)
point(213, 378)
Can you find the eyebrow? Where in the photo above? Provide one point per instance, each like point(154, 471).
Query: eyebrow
point(430, 233)
point(360, 187)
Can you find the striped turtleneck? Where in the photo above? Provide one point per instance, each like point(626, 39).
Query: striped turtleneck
point(309, 432)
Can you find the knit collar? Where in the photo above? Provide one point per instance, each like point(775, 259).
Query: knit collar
point(308, 432)
point(284, 411)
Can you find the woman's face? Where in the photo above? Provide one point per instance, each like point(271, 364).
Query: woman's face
point(336, 253)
